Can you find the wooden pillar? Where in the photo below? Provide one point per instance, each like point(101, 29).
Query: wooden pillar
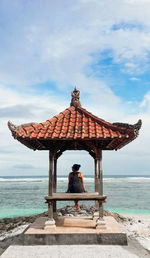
point(96, 180)
point(100, 173)
point(100, 181)
point(50, 210)
point(55, 181)
point(51, 158)
point(96, 175)
point(50, 187)
point(55, 174)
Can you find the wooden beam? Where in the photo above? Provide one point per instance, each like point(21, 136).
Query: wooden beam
point(27, 143)
point(87, 147)
point(59, 145)
point(91, 153)
point(91, 145)
point(42, 146)
point(110, 144)
point(123, 143)
point(75, 196)
point(58, 154)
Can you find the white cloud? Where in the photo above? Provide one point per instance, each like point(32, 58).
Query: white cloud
point(146, 102)
point(56, 41)
point(60, 41)
point(23, 108)
point(134, 79)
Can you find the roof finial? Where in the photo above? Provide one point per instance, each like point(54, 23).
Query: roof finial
point(75, 101)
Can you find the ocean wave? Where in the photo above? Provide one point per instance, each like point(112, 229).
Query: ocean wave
point(59, 179)
point(23, 179)
point(62, 179)
point(126, 179)
point(86, 179)
point(89, 179)
point(138, 178)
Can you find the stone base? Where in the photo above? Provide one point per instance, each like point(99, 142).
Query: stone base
point(49, 224)
point(75, 239)
point(70, 231)
point(100, 224)
point(96, 215)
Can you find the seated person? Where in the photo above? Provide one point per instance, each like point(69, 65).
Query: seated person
point(76, 183)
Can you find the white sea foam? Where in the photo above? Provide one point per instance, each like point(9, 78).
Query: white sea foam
point(127, 179)
point(65, 179)
point(137, 178)
point(59, 179)
point(62, 179)
point(88, 179)
point(23, 179)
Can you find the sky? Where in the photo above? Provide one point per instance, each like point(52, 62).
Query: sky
point(48, 47)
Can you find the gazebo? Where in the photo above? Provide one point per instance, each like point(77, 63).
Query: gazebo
point(75, 129)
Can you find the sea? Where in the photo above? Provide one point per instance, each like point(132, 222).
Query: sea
point(24, 195)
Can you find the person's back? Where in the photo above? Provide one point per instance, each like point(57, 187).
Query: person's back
point(75, 182)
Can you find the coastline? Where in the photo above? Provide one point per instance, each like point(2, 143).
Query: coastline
point(137, 228)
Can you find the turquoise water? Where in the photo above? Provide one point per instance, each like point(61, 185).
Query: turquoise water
point(20, 196)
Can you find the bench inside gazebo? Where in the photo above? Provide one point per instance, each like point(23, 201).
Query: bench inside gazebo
point(75, 129)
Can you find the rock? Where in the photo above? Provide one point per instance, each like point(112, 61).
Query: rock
point(70, 209)
point(85, 207)
point(118, 217)
point(82, 212)
point(69, 215)
point(8, 224)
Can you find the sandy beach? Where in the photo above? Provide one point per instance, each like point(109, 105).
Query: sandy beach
point(137, 228)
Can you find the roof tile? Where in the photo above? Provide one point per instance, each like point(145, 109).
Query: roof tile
point(73, 123)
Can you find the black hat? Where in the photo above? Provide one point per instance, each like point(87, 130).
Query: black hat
point(76, 167)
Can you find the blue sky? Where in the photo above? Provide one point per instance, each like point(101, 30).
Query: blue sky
point(48, 47)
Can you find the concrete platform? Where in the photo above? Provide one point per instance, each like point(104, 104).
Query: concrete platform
point(65, 251)
point(75, 230)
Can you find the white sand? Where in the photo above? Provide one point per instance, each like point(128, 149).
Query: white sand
point(139, 229)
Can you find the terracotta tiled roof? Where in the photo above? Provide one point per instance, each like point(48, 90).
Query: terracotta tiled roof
point(75, 123)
